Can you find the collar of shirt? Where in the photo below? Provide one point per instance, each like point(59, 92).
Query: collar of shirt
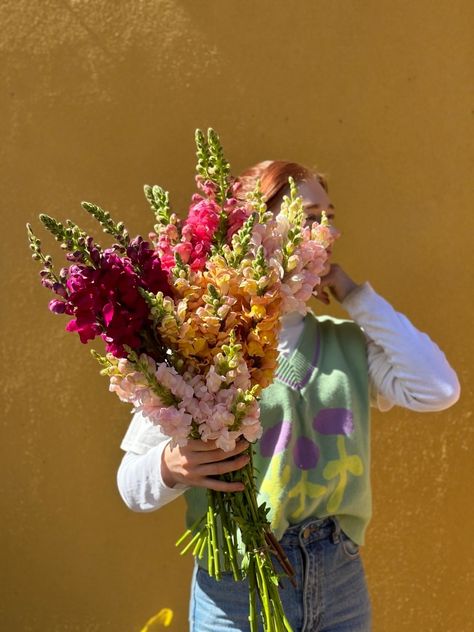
point(291, 329)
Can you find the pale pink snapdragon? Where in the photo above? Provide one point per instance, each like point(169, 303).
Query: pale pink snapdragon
point(266, 235)
point(282, 226)
point(169, 378)
point(214, 381)
point(219, 419)
point(176, 423)
point(322, 234)
point(250, 426)
point(129, 386)
point(149, 404)
point(239, 376)
point(226, 396)
point(227, 439)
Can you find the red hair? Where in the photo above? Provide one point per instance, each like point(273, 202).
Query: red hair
point(273, 175)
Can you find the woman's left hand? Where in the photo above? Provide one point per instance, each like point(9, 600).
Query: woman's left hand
point(338, 282)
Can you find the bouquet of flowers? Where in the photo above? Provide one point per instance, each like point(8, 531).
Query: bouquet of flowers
point(190, 320)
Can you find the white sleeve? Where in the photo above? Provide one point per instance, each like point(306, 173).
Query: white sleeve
point(406, 368)
point(139, 479)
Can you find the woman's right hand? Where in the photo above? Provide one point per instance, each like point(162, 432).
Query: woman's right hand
point(196, 463)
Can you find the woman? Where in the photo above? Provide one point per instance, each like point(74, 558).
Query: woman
point(314, 456)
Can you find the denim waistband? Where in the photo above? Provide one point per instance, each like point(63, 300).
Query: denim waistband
point(310, 530)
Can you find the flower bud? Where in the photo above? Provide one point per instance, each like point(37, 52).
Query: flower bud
point(59, 288)
point(47, 282)
point(57, 306)
point(292, 262)
point(95, 255)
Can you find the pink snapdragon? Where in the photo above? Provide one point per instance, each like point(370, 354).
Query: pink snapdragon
point(201, 402)
point(236, 216)
point(199, 228)
point(176, 423)
point(130, 387)
point(169, 378)
point(250, 426)
point(164, 243)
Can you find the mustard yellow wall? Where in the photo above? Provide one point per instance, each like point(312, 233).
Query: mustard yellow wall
point(99, 98)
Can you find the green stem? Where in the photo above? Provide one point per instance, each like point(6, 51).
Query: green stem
point(203, 546)
point(253, 618)
point(198, 546)
point(189, 531)
point(210, 556)
point(190, 543)
point(215, 541)
point(231, 545)
point(263, 590)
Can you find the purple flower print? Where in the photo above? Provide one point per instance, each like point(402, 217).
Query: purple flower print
point(334, 421)
point(305, 453)
point(275, 439)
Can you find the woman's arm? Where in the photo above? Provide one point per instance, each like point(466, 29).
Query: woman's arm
point(152, 473)
point(140, 482)
point(406, 368)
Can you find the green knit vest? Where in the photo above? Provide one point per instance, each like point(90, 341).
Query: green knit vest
point(313, 459)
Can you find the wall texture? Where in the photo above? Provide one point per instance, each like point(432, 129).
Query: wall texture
point(99, 98)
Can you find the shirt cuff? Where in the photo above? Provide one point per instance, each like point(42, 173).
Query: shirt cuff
point(357, 296)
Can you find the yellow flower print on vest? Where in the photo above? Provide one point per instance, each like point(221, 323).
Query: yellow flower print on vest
point(305, 456)
point(273, 487)
point(340, 468)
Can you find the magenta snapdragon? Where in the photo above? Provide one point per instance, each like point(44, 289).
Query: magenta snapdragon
point(105, 300)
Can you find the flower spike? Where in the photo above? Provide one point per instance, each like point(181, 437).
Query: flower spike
point(118, 231)
point(158, 199)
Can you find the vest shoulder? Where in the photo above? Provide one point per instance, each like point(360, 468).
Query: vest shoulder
point(341, 329)
point(331, 322)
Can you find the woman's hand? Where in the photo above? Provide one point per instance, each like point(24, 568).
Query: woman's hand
point(197, 462)
point(337, 282)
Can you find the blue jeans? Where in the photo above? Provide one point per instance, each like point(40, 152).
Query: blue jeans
point(331, 594)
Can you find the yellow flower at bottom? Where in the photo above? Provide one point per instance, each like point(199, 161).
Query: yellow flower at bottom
point(162, 619)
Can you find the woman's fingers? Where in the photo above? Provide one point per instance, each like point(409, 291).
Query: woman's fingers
point(338, 282)
point(216, 454)
point(197, 445)
point(323, 297)
point(223, 467)
point(197, 462)
point(222, 486)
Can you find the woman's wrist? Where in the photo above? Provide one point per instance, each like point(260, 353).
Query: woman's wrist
point(353, 294)
point(339, 282)
point(347, 286)
point(166, 474)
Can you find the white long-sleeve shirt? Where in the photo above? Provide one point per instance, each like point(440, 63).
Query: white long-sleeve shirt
point(406, 368)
